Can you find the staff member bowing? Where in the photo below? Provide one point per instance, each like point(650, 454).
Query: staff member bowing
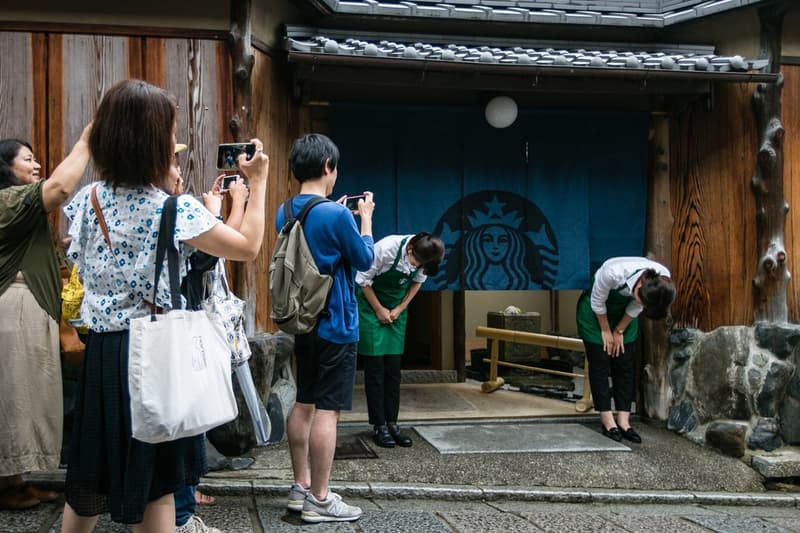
point(607, 317)
point(402, 264)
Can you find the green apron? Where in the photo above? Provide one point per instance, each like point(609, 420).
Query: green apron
point(588, 326)
point(390, 287)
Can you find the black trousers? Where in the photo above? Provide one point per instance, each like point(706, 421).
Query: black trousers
point(620, 369)
point(382, 385)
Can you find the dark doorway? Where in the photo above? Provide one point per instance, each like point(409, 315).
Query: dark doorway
point(424, 332)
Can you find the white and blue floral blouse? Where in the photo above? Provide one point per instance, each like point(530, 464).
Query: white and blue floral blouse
point(117, 287)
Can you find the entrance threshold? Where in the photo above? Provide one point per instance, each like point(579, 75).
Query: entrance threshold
point(463, 401)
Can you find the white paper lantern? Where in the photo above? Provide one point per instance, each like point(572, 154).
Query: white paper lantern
point(501, 111)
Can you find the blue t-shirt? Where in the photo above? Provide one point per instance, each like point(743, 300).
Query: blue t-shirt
point(339, 249)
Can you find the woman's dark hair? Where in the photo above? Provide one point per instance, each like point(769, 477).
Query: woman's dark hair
point(9, 149)
point(132, 135)
point(429, 251)
point(308, 156)
point(656, 294)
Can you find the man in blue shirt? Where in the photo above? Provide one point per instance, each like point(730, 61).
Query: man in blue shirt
point(326, 357)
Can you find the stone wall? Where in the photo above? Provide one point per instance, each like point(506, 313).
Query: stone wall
point(271, 368)
point(736, 388)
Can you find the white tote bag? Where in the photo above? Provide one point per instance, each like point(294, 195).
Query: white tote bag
point(179, 363)
point(179, 376)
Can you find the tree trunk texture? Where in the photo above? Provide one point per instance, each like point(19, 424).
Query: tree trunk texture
point(239, 39)
point(773, 274)
point(656, 392)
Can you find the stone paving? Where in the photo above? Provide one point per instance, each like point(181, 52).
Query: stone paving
point(665, 484)
point(257, 514)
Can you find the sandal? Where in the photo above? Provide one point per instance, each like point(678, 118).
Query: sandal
point(204, 499)
point(17, 497)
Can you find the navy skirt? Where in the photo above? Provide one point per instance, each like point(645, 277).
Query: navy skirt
point(108, 470)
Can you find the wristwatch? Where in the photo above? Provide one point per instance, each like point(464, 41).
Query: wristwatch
point(620, 332)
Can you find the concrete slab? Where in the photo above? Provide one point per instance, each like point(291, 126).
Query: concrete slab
point(492, 522)
point(560, 522)
point(401, 521)
point(784, 462)
point(231, 515)
point(729, 524)
point(516, 438)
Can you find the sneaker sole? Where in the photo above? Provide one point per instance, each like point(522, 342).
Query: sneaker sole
point(316, 518)
point(295, 505)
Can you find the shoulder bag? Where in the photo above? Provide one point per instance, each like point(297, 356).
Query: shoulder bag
point(179, 363)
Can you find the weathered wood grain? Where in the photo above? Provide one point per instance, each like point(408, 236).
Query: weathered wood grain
point(791, 182)
point(658, 244)
point(190, 74)
point(277, 120)
point(102, 62)
point(714, 248)
point(16, 87)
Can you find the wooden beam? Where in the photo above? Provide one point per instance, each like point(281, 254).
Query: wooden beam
point(239, 40)
point(112, 29)
point(655, 390)
point(311, 76)
point(773, 275)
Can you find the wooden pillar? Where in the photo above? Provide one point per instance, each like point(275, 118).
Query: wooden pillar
point(772, 276)
point(459, 334)
point(240, 42)
point(655, 390)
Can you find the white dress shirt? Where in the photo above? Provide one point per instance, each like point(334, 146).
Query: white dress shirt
point(621, 273)
point(385, 252)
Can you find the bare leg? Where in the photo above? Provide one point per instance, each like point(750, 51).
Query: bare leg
point(73, 523)
point(624, 420)
point(299, 431)
point(607, 419)
point(323, 446)
point(159, 516)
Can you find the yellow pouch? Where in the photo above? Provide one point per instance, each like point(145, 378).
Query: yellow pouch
point(71, 297)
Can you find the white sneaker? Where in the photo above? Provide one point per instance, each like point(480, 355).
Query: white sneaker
point(297, 495)
point(332, 509)
point(196, 525)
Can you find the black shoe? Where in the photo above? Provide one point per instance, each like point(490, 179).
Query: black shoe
point(399, 438)
point(613, 433)
point(382, 438)
point(631, 435)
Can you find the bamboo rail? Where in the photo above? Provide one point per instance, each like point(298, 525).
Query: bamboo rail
point(539, 339)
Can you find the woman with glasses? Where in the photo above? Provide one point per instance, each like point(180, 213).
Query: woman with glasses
point(607, 317)
point(402, 264)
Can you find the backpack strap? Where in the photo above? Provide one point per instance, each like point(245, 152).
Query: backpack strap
point(288, 214)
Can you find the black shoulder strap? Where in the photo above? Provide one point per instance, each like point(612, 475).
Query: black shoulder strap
point(308, 207)
point(166, 246)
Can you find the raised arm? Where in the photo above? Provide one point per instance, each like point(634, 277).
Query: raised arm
point(242, 245)
point(62, 182)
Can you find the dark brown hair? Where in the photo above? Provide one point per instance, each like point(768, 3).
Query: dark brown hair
point(656, 294)
point(9, 150)
point(132, 135)
point(429, 251)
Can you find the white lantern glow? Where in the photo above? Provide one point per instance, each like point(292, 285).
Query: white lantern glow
point(501, 111)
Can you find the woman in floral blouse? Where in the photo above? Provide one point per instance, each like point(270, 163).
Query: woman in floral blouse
point(132, 144)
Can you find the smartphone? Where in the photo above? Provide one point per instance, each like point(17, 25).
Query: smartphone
point(228, 154)
point(352, 201)
point(227, 180)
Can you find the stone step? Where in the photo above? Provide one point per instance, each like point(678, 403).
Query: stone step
point(783, 462)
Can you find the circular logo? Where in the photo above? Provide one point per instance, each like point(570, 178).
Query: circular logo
point(499, 241)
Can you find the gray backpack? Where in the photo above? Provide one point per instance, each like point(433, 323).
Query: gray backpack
point(299, 292)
